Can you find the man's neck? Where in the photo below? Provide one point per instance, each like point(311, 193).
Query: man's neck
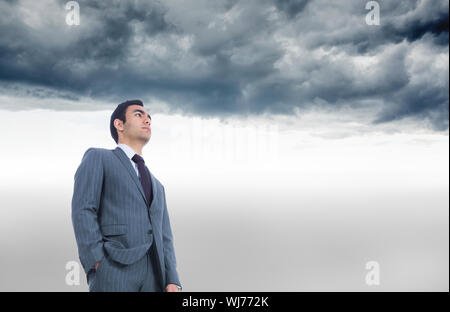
point(135, 146)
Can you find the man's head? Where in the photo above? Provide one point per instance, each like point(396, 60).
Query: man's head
point(130, 122)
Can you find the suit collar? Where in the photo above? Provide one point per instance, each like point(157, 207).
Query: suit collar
point(127, 164)
point(127, 149)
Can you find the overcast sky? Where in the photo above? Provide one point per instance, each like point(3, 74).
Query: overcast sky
point(216, 58)
point(295, 142)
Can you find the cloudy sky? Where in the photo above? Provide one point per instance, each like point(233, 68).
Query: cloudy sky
point(295, 141)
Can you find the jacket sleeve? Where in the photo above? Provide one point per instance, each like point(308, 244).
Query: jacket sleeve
point(85, 206)
point(169, 251)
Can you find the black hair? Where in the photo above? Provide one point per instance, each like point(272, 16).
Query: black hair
point(119, 113)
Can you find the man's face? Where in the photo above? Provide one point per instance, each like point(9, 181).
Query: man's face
point(137, 124)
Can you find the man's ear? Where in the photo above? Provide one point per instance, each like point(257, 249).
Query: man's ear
point(118, 124)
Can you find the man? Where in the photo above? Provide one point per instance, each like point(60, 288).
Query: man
point(119, 212)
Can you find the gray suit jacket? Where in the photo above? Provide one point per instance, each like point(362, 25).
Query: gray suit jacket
point(110, 214)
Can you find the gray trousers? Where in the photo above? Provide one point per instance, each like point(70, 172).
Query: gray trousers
point(141, 276)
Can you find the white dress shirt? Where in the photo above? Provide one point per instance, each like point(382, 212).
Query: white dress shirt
point(130, 153)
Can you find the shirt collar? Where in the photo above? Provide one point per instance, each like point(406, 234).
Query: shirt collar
point(128, 150)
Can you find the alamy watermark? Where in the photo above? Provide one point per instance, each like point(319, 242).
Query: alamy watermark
point(73, 274)
point(204, 140)
point(373, 17)
point(73, 16)
point(373, 275)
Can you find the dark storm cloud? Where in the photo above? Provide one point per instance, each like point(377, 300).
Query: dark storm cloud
point(291, 7)
point(220, 58)
point(416, 27)
point(426, 101)
point(400, 20)
point(103, 41)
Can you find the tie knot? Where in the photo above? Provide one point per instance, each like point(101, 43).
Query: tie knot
point(137, 159)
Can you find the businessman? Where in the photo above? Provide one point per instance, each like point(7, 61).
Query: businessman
point(119, 212)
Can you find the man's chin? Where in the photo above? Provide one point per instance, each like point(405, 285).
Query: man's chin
point(145, 139)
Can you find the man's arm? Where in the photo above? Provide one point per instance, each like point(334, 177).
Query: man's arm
point(169, 251)
point(85, 205)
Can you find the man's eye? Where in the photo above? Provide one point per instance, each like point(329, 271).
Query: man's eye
point(138, 114)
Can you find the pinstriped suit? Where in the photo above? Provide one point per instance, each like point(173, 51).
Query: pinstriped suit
point(113, 224)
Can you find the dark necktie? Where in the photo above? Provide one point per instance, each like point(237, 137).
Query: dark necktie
point(144, 177)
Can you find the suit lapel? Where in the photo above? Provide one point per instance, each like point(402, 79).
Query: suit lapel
point(127, 164)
